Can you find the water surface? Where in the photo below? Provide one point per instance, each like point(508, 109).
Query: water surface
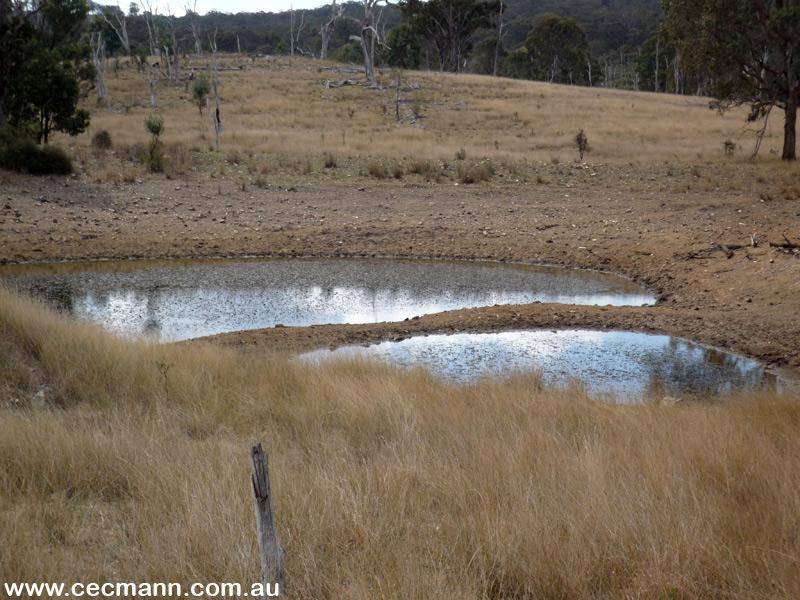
point(177, 300)
point(622, 365)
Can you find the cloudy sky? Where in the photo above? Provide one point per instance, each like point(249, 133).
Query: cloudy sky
point(229, 6)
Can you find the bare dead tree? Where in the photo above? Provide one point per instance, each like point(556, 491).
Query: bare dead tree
point(589, 69)
point(119, 26)
point(238, 45)
point(500, 34)
point(655, 73)
point(191, 12)
point(98, 44)
point(295, 32)
point(327, 28)
point(214, 71)
point(370, 36)
point(175, 64)
point(150, 13)
point(397, 97)
point(152, 82)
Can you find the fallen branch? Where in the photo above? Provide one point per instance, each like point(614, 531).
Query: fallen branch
point(337, 84)
point(786, 245)
point(727, 249)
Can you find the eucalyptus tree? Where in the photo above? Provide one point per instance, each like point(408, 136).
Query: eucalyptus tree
point(750, 51)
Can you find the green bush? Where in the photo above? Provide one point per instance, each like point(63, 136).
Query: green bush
point(18, 152)
point(154, 124)
point(200, 90)
point(155, 157)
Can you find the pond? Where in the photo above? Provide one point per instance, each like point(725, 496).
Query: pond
point(179, 300)
point(620, 365)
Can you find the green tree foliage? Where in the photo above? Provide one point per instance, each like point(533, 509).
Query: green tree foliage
point(449, 26)
point(48, 57)
point(154, 124)
point(200, 90)
point(403, 48)
point(558, 50)
point(516, 64)
point(750, 51)
point(348, 53)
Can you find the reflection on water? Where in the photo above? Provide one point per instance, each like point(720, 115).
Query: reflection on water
point(180, 300)
point(620, 364)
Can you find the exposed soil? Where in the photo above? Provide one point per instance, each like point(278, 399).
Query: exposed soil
point(692, 243)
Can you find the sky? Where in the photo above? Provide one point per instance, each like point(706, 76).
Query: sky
point(228, 6)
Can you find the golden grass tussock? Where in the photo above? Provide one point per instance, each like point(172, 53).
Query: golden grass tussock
point(387, 483)
point(276, 107)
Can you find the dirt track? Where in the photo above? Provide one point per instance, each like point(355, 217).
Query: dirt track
point(679, 239)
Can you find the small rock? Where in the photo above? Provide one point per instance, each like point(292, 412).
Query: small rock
point(38, 400)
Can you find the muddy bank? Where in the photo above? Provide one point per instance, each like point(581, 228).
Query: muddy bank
point(693, 246)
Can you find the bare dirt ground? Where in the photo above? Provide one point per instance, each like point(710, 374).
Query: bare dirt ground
point(678, 232)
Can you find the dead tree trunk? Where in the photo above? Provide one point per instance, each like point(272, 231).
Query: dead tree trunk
point(216, 119)
point(369, 38)
point(655, 73)
point(152, 80)
point(98, 45)
point(120, 29)
point(790, 125)
point(152, 26)
point(499, 42)
point(272, 556)
point(294, 33)
point(191, 12)
point(327, 29)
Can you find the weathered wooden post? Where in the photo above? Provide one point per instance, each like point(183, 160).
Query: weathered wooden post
point(268, 544)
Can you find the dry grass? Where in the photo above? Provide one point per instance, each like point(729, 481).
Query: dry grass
point(275, 110)
point(388, 484)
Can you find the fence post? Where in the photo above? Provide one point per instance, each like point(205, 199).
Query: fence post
point(268, 544)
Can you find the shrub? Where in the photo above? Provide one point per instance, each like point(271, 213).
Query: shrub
point(177, 160)
point(154, 124)
point(581, 143)
point(461, 154)
point(101, 140)
point(397, 171)
point(475, 173)
point(200, 90)
point(426, 168)
point(19, 153)
point(377, 170)
point(155, 156)
point(330, 160)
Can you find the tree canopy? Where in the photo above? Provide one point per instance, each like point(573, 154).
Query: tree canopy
point(749, 49)
point(44, 61)
point(558, 50)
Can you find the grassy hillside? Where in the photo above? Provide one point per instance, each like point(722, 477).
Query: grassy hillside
point(516, 125)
